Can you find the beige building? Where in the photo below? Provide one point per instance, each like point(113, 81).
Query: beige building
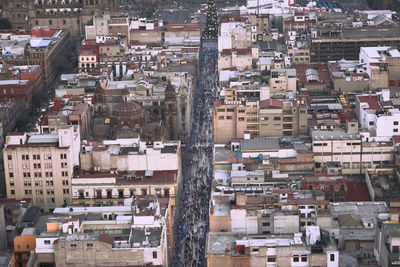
point(352, 153)
point(282, 118)
point(299, 55)
point(239, 58)
point(41, 166)
point(132, 234)
point(129, 155)
point(106, 25)
point(260, 25)
point(232, 120)
point(105, 188)
point(232, 249)
point(269, 118)
point(88, 60)
point(283, 81)
point(50, 52)
point(60, 14)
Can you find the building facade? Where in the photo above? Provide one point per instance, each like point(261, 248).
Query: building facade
point(41, 166)
point(69, 15)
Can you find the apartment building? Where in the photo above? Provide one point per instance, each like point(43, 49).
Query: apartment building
point(41, 166)
point(130, 155)
point(299, 55)
point(134, 233)
point(382, 65)
point(240, 58)
point(336, 43)
point(233, 119)
point(46, 47)
point(377, 114)
point(283, 81)
point(234, 33)
point(270, 118)
point(282, 118)
point(107, 188)
point(232, 249)
point(107, 25)
point(350, 151)
point(67, 15)
point(78, 114)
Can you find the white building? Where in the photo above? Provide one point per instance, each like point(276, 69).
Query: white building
point(377, 115)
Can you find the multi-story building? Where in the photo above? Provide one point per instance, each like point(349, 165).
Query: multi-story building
point(336, 43)
point(71, 15)
point(240, 58)
point(46, 47)
point(270, 117)
point(382, 65)
point(232, 249)
point(108, 26)
point(282, 81)
point(352, 153)
point(130, 155)
point(107, 188)
point(378, 115)
point(70, 114)
point(21, 82)
point(41, 166)
point(348, 76)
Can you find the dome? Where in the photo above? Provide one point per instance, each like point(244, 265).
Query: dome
point(129, 114)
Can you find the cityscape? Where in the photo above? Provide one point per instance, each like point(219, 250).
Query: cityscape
point(236, 133)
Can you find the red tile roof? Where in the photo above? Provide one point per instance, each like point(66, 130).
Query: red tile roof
point(357, 191)
point(270, 103)
point(371, 100)
point(106, 239)
point(322, 70)
point(346, 116)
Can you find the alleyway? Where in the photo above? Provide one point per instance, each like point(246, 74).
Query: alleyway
point(191, 218)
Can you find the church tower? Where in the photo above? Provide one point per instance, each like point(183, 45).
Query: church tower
point(170, 113)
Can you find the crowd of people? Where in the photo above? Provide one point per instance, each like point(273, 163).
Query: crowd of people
point(191, 216)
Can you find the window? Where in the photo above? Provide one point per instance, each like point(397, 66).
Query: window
point(271, 259)
point(48, 165)
point(332, 257)
point(11, 183)
point(395, 130)
point(89, 245)
point(154, 254)
point(277, 118)
point(265, 224)
point(9, 157)
point(64, 22)
point(50, 22)
point(371, 123)
point(228, 117)
point(12, 192)
point(395, 123)
point(11, 175)
point(303, 258)
point(241, 119)
point(73, 245)
point(47, 242)
point(296, 259)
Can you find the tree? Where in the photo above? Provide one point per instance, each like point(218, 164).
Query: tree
point(5, 24)
point(211, 30)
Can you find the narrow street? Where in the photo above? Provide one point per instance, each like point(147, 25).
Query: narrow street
point(191, 218)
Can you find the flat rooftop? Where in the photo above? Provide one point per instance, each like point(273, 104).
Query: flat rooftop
point(363, 33)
